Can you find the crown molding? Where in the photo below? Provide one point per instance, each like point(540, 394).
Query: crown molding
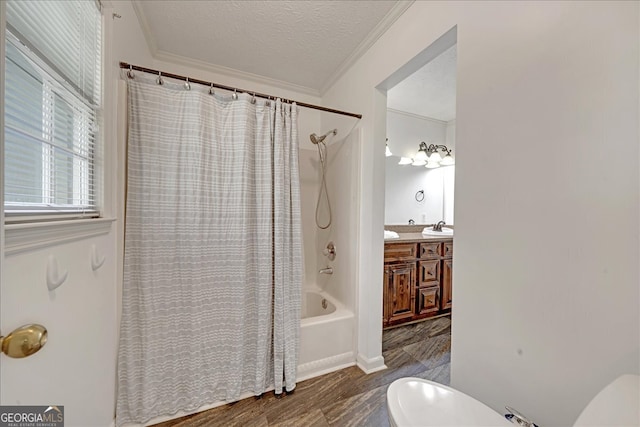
point(418, 116)
point(146, 29)
point(231, 72)
point(396, 11)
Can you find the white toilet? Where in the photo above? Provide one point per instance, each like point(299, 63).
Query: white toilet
point(414, 402)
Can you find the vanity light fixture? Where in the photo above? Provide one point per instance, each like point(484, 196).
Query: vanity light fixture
point(429, 157)
point(387, 152)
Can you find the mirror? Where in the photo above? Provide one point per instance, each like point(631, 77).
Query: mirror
point(421, 108)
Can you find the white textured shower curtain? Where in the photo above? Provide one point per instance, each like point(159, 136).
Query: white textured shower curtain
point(213, 251)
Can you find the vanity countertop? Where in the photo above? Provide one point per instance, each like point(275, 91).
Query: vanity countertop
point(416, 238)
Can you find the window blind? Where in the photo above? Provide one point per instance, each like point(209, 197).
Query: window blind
point(52, 106)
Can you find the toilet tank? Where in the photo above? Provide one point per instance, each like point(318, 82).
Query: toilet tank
point(618, 404)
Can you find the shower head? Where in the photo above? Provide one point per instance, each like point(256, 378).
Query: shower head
point(318, 139)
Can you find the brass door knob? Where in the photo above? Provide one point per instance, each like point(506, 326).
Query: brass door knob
point(24, 341)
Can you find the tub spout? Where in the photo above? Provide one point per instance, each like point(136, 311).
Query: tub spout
point(327, 270)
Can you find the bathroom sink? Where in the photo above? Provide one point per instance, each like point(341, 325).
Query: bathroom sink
point(446, 231)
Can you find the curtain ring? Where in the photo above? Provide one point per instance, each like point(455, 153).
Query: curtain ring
point(211, 91)
point(187, 86)
point(234, 95)
point(130, 72)
point(159, 79)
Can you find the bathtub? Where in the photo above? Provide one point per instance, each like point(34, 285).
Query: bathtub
point(327, 341)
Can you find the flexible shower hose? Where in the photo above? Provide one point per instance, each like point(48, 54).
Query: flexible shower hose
point(322, 151)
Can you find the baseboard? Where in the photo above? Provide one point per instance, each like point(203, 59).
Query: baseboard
point(324, 366)
point(179, 414)
point(370, 366)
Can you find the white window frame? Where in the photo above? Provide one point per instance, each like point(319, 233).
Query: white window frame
point(54, 230)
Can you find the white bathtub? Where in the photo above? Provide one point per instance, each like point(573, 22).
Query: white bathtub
point(326, 335)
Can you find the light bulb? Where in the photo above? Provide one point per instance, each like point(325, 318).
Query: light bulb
point(435, 157)
point(387, 152)
point(421, 156)
point(447, 161)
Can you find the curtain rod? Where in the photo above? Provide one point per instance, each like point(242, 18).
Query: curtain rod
point(230, 88)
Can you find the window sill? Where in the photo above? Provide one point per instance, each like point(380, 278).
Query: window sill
point(24, 237)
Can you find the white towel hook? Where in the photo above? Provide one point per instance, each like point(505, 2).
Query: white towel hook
point(54, 277)
point(96, 260)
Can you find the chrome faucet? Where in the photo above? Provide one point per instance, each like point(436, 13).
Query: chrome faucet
point(327, 270)
point(438, 226)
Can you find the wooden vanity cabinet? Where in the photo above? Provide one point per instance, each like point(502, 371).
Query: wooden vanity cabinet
point(417, 280)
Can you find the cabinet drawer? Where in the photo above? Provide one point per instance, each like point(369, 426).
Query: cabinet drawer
point(430, 250)
point(399, 252)
point(429, 272)
point(428, 300)
point(447, 249)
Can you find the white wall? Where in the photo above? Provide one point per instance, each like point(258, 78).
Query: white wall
point(542, 319)
point(406, 131)
point(450, 138)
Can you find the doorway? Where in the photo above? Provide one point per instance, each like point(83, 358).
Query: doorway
point(420, 114)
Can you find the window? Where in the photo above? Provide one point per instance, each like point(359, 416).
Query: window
point(52, 109)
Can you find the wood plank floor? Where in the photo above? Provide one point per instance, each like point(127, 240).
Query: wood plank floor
point(347, 397)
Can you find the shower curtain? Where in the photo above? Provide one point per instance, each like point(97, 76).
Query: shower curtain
point(213, 250)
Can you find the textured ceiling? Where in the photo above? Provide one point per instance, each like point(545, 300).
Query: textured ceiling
point(299, 42)
point(430, 91)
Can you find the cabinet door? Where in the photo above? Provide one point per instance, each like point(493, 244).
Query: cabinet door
point(428, 273)
point(401, 279)
point(428, 300)
point(447, 265)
